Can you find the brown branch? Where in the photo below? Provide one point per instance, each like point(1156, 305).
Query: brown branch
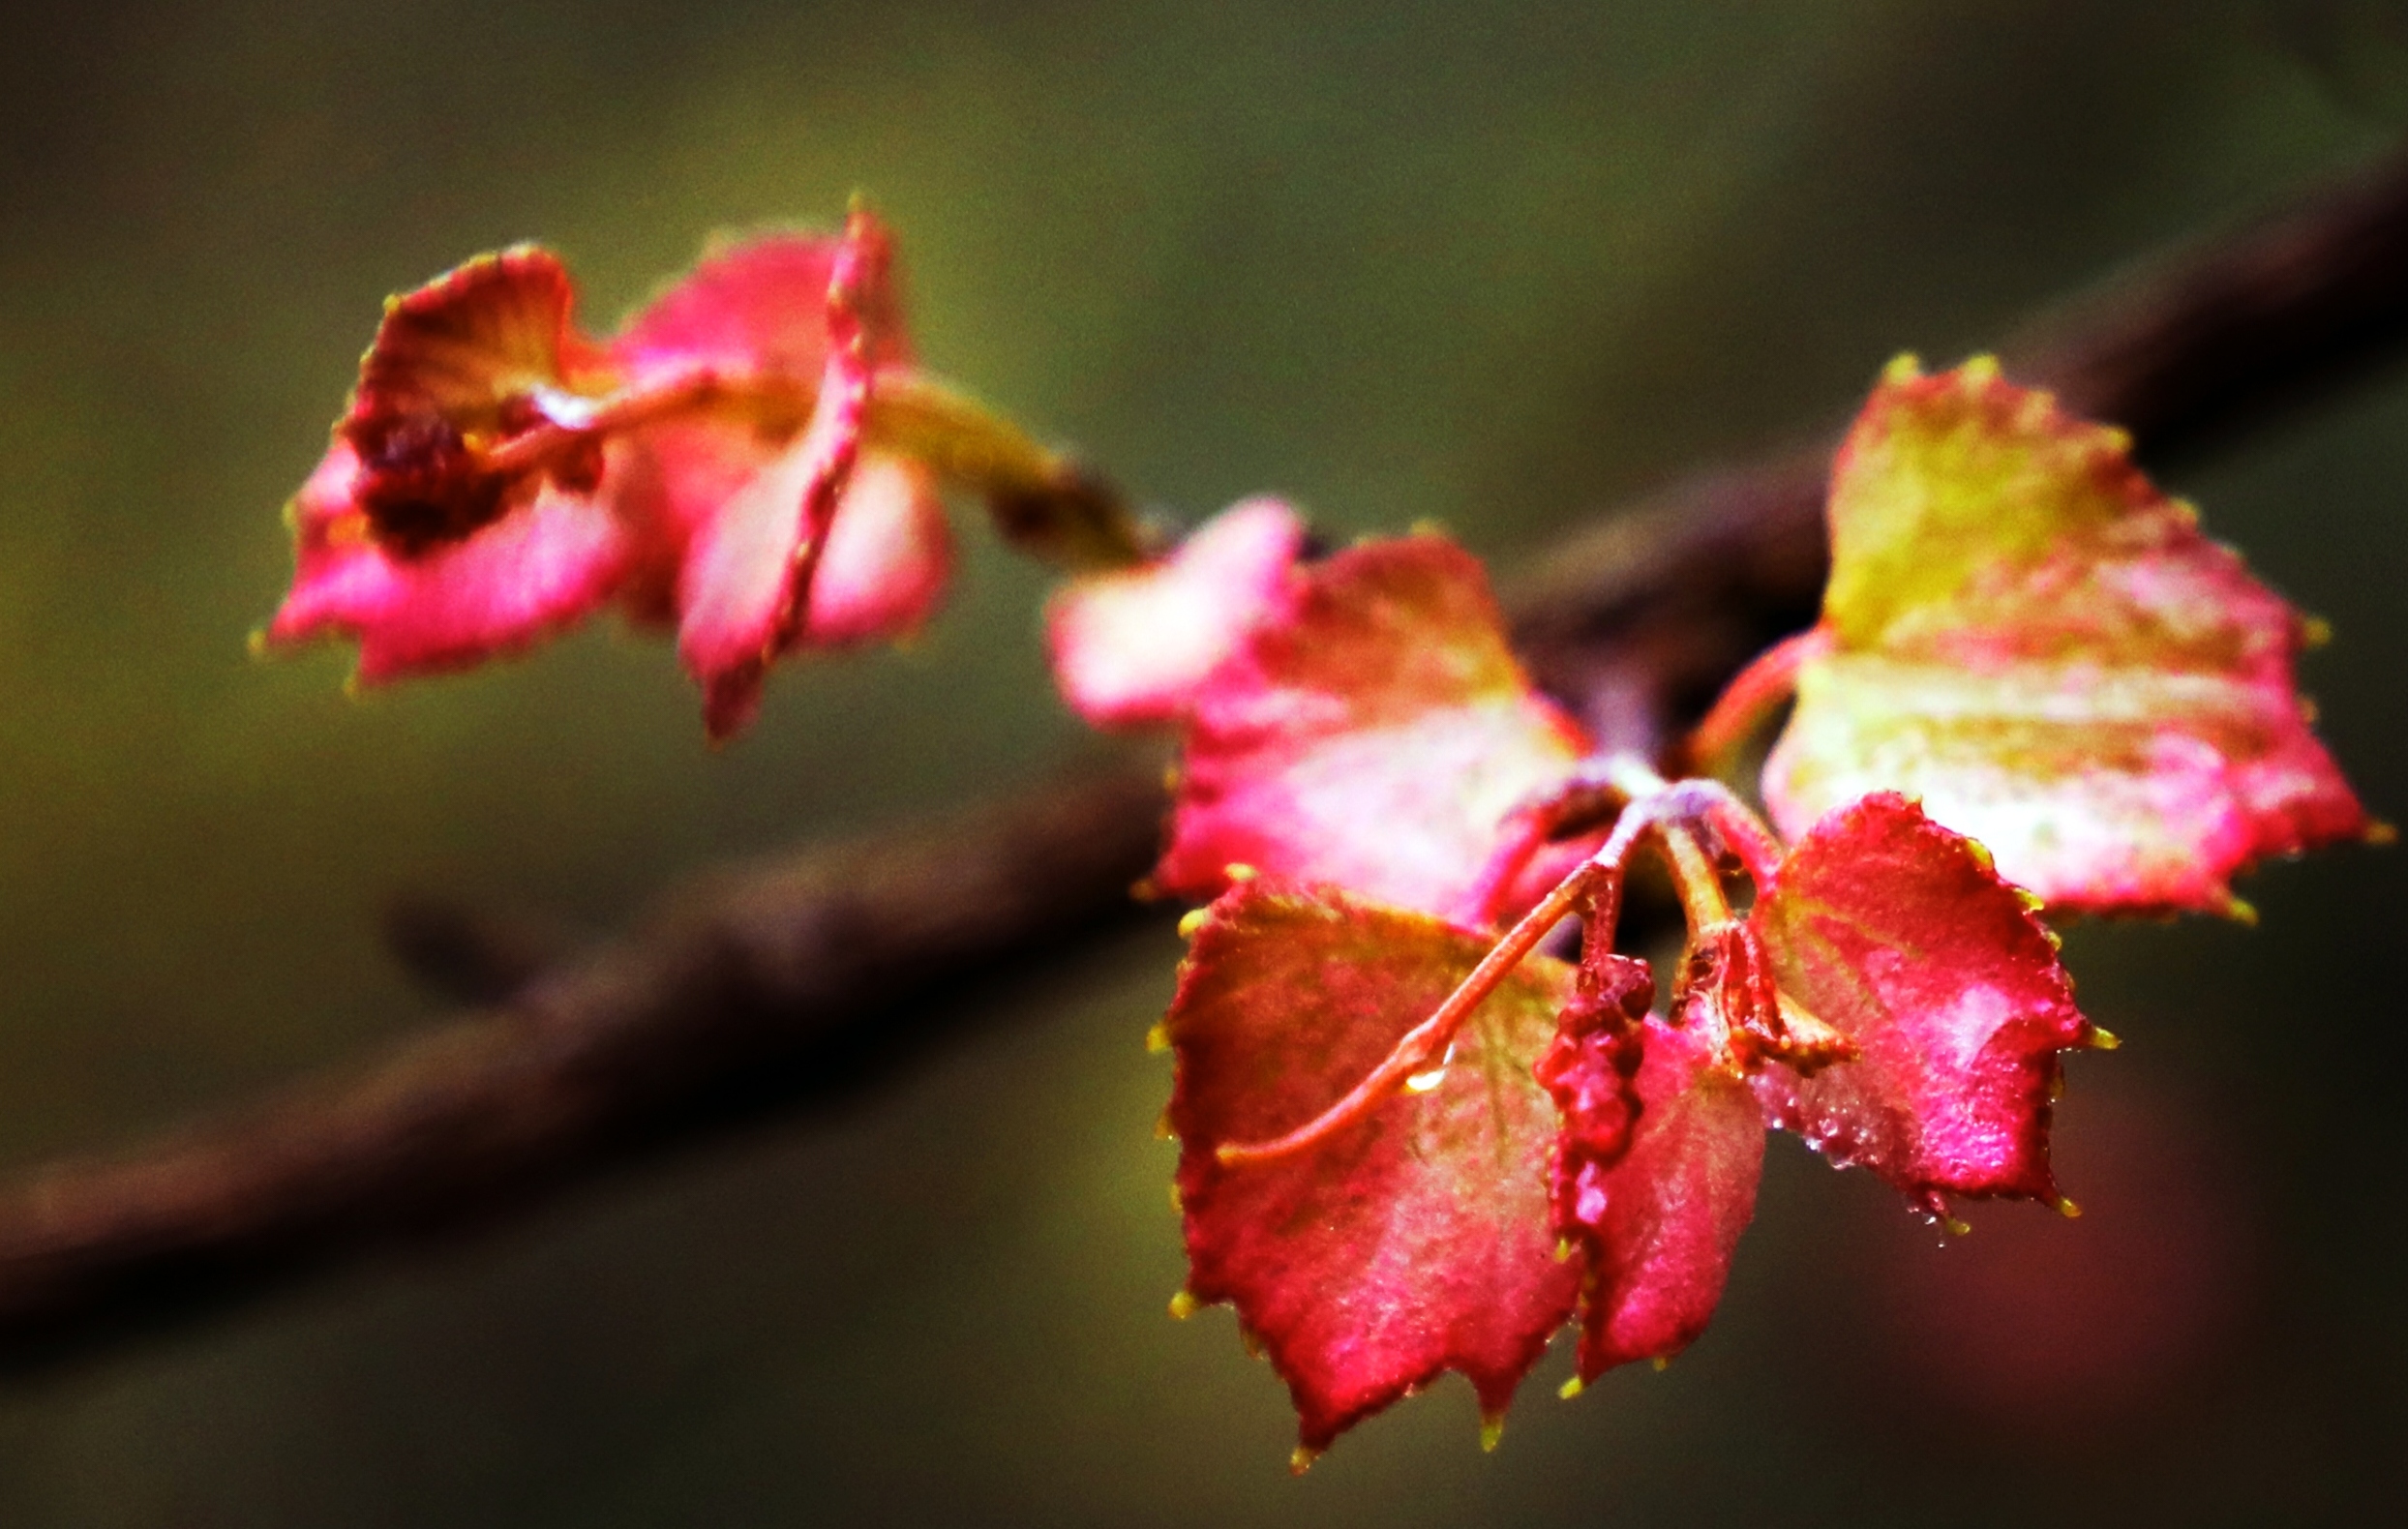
point(756, 992)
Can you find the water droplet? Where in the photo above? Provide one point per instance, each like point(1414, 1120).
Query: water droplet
point(1423, 1082)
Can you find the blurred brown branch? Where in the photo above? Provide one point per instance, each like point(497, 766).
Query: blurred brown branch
point(756, 992)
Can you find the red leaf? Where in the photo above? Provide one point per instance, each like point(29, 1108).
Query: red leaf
point(2024, 632)
point(480, 355)
point(748, 572)
point(1130, 646)
point(755, 313)
point(453, 605)
point(1418, 1241)
point(1897, 933)
point(1375, 738)
point(1660, 1212)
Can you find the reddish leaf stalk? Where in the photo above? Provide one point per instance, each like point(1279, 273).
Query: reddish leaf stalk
point(698, 391)
point(1430, 1037)
point(1750, 698)
point(1656, 809)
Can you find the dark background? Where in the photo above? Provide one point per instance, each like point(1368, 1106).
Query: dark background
point(1494, 264)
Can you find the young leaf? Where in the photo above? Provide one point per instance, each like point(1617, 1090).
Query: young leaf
point(1130, 646)
point(754, 309)
point(1376, 737)
point(750, 321)
point(497, 475)
point(1898, 933)
point(451, 605)
point(481, 356)
point(1414, 1243)
point(405, 536)
point(2023, 631)
point(1660, 1217)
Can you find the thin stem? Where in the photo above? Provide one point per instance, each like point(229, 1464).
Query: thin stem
point(1426, 1039)
point(1770, 680)
point(1042, 500)
point(1589, 797)
point(1527, 834)
point(1754, 843)
point(698, 390)
point(1694, 877)
point(1633, 776)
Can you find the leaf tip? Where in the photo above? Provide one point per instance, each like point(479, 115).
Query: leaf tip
point(1239, 872)
point(1183, 1305)
point(1904, 367)
point(1492, 1431)
point(2379, 832)
point(2314, 632)
point(2067, 1209)
point(2104, 1040)
point(1300, 1459)
point(1572, 1387)
point(1192, 921)
point(2239, 912)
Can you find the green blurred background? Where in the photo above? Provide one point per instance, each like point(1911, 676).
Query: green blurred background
point(1494, 264)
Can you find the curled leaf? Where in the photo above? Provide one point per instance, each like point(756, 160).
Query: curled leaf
point(2025, 633)
point(749, 327)
point(451, 605)
point(480, 356)
point(1897, 933)
point(1375, 736)
point(1416, 1242)
point(1130, 646)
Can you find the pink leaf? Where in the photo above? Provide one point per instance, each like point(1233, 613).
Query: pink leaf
point(1130, 646)
point(2020, 630)
point(749, 569)
point(758, 307)
point(453, 605)
point(1897, 933)
point(739, 589)
point(481, 356)
point(1376, 737)
point(1416, 1240)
